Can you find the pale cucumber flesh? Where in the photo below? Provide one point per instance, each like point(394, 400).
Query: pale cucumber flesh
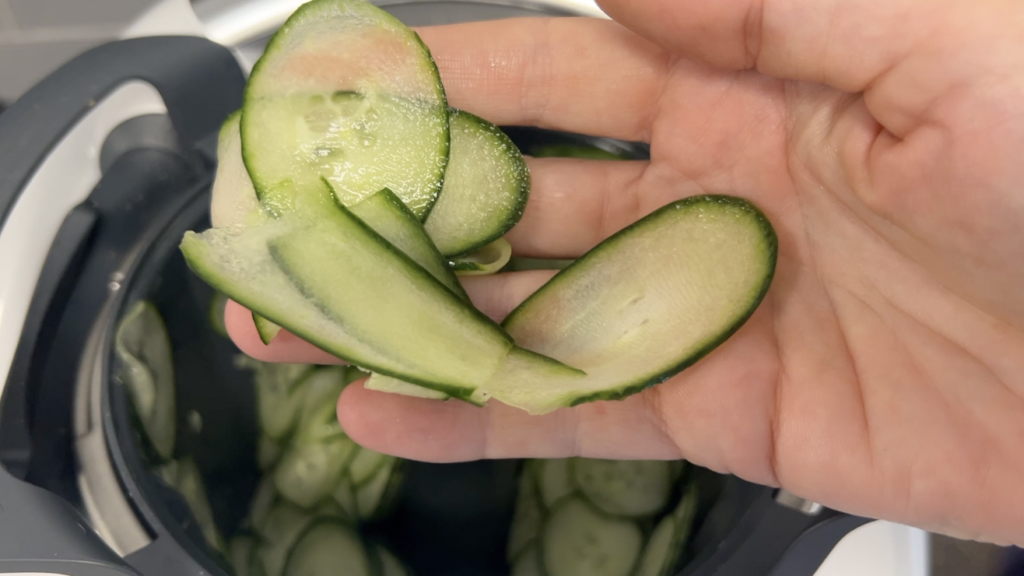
point(577, 541)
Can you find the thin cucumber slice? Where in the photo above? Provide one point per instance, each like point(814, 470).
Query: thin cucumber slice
point(456, 349)
point(385, 213)
point(487, 260)
point(309, 472)
point(329, 547)
point(147, 372)
point(554, 480)
point(318, 421)
point(578, 541)
point(345, 495)
point(451, 346)
point(268, 452)
point(263, 501)
point(347, 92)
point(634, 488)
point(580, 151)
point(690, 273)
point(240, 553)
point(486, 186)
point(233, 198)
point(678, 467)
point(528, 563)
point(184, 476)
point(217, 305)
point(370, 496)
point(284, 526)
point(266, 329)
point(669, 538)
point(365, 463)
point(329, 508)
point(391, 385)
point(279, 396)
point(390, 565)
point(527, 518)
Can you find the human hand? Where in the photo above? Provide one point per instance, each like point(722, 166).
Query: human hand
point(884, 372)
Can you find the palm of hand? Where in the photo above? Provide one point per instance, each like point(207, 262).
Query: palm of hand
point(883, 374)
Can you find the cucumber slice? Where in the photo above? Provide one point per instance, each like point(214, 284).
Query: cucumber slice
point(666, 543)
point(527, 518)
point(578, 541)
point(610, 312)
point(217, 305)
point(634, 488)
point(344, 494)
point(183, 475)
point(233, 196)
point(486, 186)
point(268, 452)
point(528, 563)
point(284, 526)
point(390, 565)
point(266, 329)
point(678, 467)
point(263, 501)
point(279, 396)
point(329, 547)
point(554, 480)
point(385, 213)
point(581, 151)
point(309, 472)
point(347, 92)
point(240, 553)
point(318, 421)
point(455, 347)
point(391, 385)
point(147, 372)
point(365, 463)
point(487, 260)
point(370, 496)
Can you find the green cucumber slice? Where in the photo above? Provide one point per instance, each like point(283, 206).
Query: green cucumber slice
point(266, 329)
point(486, 186)
point(634, 488)
point(666, 543)
point(487, 260)
point(285, 524)
point(371, 495)
point(365, 463)
point(390, 565)
point(309, 472)
point(279, 396)
point(610, 312)
point(455, 349)
point(578, 541)
point(240, 553)
point(217, 305)
point(347, 92)
point(268, 452)
point(391, 385)
point(147, 372)
point(528, 563)
point(554, 480)
point(344, 494)
point(183, 475)
point(233, 198)
point(385, 213)
point(263, 501)
point(329, 547)
point(527, 518)
point(581, 151)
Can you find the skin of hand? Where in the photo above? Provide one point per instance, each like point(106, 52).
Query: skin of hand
point(884, 373)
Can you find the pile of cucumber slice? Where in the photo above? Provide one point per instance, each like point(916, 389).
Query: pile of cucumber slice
point(588, 517)
point(349, 197)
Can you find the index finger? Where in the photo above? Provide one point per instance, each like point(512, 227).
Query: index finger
point(585, 75)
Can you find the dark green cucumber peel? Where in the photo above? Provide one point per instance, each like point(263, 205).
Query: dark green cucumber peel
point(643, 381)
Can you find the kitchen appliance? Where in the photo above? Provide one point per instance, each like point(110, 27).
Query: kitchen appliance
point(103, 166)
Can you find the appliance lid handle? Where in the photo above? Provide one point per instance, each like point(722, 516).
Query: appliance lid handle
point(42, 533)
point(200, 82)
